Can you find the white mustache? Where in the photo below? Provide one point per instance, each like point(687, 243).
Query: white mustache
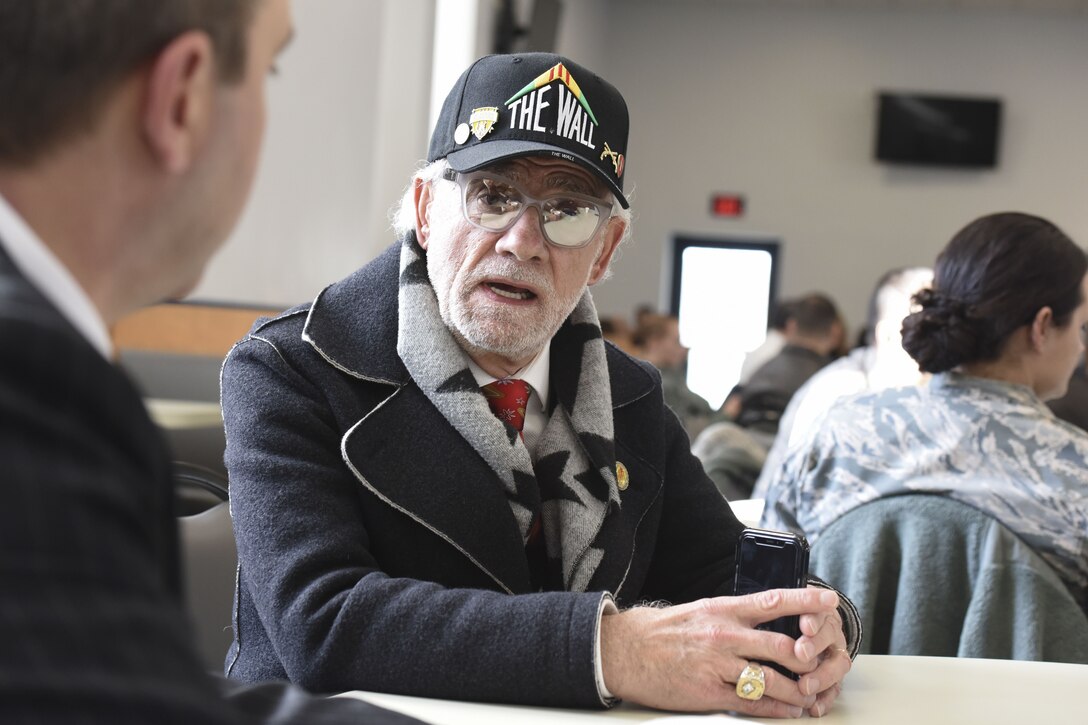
point(511, 272)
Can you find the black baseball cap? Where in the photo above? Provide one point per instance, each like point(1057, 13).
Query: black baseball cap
point(533, 104)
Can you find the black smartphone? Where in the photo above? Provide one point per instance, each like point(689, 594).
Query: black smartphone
point(772, 560)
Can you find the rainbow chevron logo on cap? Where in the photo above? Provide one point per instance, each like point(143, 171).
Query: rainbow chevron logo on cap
point(560, 73)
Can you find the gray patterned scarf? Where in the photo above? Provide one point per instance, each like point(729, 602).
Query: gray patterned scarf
point(573, 482)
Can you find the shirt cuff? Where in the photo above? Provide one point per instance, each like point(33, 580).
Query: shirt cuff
point(607, 606)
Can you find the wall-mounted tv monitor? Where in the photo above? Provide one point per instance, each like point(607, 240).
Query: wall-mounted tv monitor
point(933, 130)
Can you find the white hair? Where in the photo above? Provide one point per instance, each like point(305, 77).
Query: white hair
point(403, 215)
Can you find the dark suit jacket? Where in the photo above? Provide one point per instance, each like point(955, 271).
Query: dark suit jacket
point(377, 548)
point(91, 628)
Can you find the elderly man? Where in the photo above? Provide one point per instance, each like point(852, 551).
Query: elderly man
point(129, 134)
point(445, 483)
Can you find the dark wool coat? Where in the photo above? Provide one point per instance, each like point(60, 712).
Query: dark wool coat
point(377, 548)
point(92, 628)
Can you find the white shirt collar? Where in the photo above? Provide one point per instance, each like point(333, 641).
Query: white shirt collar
point(49, 275)
point(536, 373)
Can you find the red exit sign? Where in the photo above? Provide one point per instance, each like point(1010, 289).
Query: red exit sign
point(727, 205)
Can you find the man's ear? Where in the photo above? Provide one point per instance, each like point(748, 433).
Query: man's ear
point(613, 235)
point(423, 197)
point(1040, 327)
point(180, 95)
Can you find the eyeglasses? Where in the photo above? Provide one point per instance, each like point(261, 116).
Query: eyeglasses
point(494, 203)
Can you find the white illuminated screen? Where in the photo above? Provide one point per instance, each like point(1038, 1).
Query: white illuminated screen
point(724, 307)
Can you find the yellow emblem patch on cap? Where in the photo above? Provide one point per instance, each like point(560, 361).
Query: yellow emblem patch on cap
point(483, 120)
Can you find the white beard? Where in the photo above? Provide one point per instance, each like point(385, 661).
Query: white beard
point(509, 331)
point(505, 330)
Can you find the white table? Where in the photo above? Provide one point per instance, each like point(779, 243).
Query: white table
point(184, 414)
point(880, 690)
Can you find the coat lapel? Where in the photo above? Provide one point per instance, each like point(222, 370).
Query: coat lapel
point(446, 487)
point(630, 383)
point(449, 487)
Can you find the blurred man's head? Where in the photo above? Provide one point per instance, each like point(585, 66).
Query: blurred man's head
point(130, 131)
point(60, 61)
point(891, 301)
point(659, 338)
point(813, 322)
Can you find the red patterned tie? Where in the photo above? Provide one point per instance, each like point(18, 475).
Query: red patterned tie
point(507, 398)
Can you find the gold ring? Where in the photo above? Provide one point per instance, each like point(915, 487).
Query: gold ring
point(751, 682)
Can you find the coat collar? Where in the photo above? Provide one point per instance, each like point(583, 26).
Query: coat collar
point(353, 325)
point(364, 306)
point(451, 489)
point(359, 307)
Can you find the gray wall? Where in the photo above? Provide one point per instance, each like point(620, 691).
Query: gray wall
point(772, 100)
point(348, 122)
point(778, 105)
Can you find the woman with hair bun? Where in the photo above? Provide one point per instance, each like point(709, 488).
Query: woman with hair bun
point(1001, 329)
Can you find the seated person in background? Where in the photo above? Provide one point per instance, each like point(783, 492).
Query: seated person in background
point(616, 330)
point(1001, 330)
point(881, 363)
point(129, 135)
point(813, 331)
point(771, 345)
point(731, 456)
point(659, 345)
point(444, 483)
point(643, 313)
point(1073, 406)
point(733, 447)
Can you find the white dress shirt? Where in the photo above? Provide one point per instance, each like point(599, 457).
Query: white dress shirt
point(49, 275)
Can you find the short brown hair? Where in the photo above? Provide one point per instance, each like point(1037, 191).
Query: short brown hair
point(59, 59)
point(814, 314)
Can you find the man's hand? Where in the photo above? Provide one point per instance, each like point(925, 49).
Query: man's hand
point(689, 657)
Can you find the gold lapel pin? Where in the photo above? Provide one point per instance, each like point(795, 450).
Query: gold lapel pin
point(622, 477)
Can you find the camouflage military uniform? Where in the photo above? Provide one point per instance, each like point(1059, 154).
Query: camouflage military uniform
point(989, 444)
